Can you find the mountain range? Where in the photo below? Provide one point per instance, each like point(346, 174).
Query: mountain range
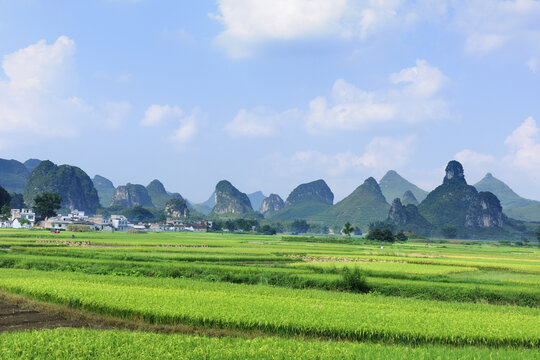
point(311, 201)
point(513, 205)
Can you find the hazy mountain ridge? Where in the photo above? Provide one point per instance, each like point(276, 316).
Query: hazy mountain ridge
point(394, 186)
point(513, 205)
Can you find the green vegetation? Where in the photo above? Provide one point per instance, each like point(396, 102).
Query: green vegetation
point(394, 186)
point(513, 205)
point(131, 195)
point(347, 229)
point(231, 203)
point(159, 195)
point(114, 344)
point(46, 205)
point(177, 208)
point(364, 205)
point(405, 299)
point(70, 182)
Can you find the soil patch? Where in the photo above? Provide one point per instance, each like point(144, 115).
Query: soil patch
point(15, 318)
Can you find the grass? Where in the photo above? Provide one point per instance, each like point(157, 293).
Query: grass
point(439, 298)
point(115, 344)
point(282, 311)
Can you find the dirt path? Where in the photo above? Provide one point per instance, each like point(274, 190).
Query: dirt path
point(14, 318)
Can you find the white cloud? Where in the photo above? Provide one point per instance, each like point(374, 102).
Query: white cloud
point(489, 24)
point(187, 128)
point(159, 114)
point(40, 66)
point(156, 115)
point(412, 97)
point(524, 147)
point(250, 23)
point(474, 159)
point(38, 99)
point(476, 164)
point(259, 122)
point(381, 153)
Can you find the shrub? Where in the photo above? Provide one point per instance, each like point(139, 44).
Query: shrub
point(379, 234)
point(78, 228)
point(354, 281)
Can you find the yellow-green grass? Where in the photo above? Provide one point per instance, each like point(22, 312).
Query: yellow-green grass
point(282, 311)
point(385, 266)
point(115, 344)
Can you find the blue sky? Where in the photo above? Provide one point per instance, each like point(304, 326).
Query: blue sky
point(270, 94)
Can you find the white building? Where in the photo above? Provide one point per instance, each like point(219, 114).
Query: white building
point(119, 222)
point(27, 214)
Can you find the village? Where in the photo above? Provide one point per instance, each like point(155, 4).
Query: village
point(77, 221)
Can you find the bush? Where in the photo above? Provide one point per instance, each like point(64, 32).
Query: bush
point(135, 231)
point(379, 234)
point(79, 228)
point(400, 236)
point(449, 232)
point(354, 281)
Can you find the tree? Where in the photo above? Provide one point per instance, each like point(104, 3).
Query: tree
point(299, 226)
point(5, 198)
point(449, 232)
point(347, 229)
point(267, 230)
point(400, 236)
point(17, 201)
point(139, 213)
point(538, 235)
point(379, 234)
point(46, 205)
point(5, 212)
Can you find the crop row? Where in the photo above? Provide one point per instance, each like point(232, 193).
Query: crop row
point(282, 311)
point(114, 344)
point(515, 294)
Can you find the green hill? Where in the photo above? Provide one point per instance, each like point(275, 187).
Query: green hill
point(409, 199)
point(460, 206)
point(307, 201)
point(72, 184)
point(31, 164)
point(394, 186)
point(513, 205)
point(13, 175)
point(131, 195)
point(231, 202)
point(105, 189)
point(366, 204)
point(256, 200)
point(315, 190)
point(307, 209)
point(159, 195)
point(407, 218)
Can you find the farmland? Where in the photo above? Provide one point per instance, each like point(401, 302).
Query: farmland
point(269, 297)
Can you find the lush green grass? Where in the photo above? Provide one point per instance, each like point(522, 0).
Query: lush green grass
point(282, 311)
point(424, 294)
point(387, 266)
point(93, 344)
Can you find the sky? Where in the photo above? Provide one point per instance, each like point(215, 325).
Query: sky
point(269, 94)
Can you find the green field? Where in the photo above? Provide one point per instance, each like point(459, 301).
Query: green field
point(269, 298)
